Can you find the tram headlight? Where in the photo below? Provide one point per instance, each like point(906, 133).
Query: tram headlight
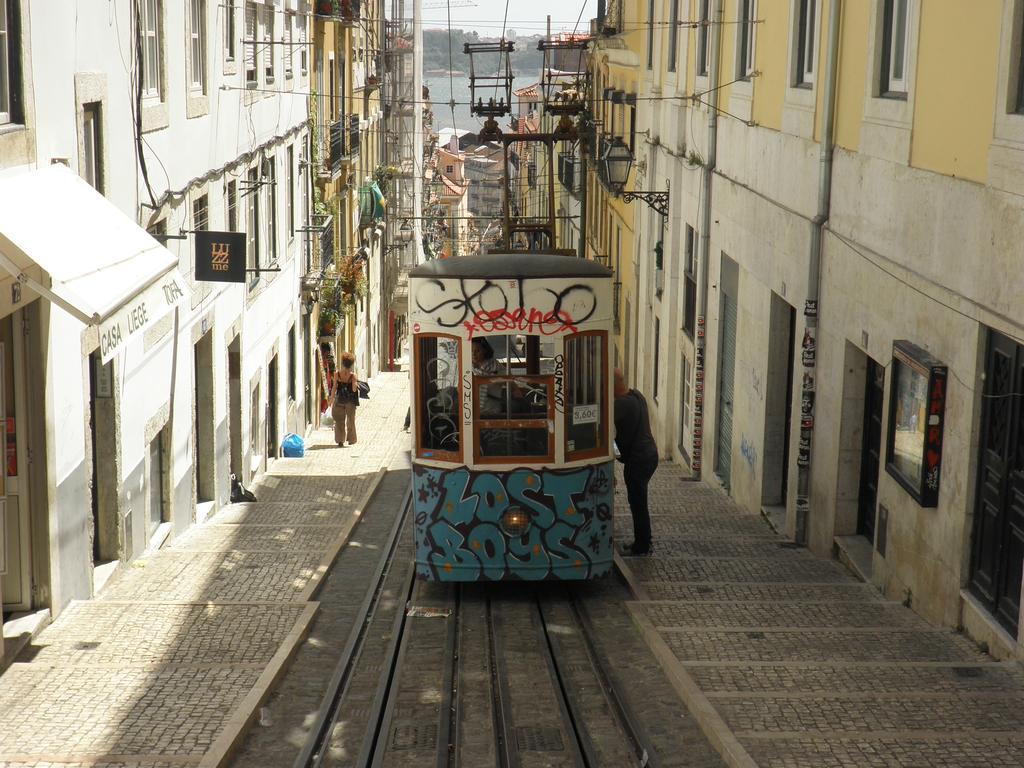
point(515, 522)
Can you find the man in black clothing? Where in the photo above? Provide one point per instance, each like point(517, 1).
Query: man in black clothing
point(639, 453)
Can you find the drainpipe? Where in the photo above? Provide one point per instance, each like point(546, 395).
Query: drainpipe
point(704, 252)
point(808, 355)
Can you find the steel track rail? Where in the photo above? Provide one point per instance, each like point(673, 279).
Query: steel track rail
point(501, 707)
point(448, 737)
point(610, 685)
point(312, 753)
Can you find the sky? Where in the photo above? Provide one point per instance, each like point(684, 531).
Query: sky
point(526, 17)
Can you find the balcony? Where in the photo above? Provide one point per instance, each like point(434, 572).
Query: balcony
point(343, 144)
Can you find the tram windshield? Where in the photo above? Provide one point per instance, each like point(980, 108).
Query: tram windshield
point(513, 384)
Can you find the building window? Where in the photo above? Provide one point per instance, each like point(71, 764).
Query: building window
point(92, 145)
point(252, 224)
point(806, 43)
point(151, 32)
point(229, 29)
point(270, 184)
point(268, 37)
point(290, 154)
point(650, 34)
point(895, 35)
point(251, 55)
point(289, 39)
point(703, 40)
point(197, 40)
point(745, 39)
point(201, 213)
point(689, 282)
point(449, 169)
point(673, 35)
point(10, 63)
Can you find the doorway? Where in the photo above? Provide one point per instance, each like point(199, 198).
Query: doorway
point(778, 404)
point(997, 558)
point(307, 373)
point(104, 453)
point(203, 428)
point(726, 371)
point(871, 448)
point(272, 409)
point(15, 531)
point(235, 406)
point(157, 475)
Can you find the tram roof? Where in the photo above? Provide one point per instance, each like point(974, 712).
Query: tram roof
point(511, 266)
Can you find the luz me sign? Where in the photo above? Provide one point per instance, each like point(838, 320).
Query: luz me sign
point(220, 257)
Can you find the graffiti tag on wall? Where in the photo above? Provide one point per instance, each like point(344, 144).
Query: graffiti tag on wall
point(459, 513)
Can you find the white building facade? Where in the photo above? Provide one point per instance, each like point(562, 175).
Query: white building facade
point(133, 390)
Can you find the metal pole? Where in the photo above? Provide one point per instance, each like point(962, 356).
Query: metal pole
point(808, 354)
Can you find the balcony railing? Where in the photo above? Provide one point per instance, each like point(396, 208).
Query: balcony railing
point(342, 143)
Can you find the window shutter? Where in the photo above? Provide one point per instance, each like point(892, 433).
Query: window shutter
point(250, 47)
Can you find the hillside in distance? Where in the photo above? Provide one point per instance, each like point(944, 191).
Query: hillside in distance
point(527, 61)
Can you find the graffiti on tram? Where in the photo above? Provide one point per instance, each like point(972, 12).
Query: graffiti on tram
point(480, 306)
point(459, 517)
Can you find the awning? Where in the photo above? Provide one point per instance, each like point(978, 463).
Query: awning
point(97, 264)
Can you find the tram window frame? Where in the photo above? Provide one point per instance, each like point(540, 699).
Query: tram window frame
point(484, 423)
point(515, 371)
point(436, 454)
point(601, 387)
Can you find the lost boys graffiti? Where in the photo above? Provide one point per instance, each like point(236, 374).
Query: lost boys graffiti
point(459, 517)
point(480, 306)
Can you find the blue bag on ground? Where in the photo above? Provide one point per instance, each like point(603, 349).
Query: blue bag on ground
point(293, 446)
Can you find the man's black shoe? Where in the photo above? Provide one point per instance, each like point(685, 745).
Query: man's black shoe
point(633, 550)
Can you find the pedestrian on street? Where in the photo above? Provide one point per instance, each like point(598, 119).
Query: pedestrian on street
point(346, 400)
point(639, 454)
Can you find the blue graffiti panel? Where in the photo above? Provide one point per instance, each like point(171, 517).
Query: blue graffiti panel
point(527, 524)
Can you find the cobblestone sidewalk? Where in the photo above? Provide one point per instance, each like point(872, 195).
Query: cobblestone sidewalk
point(792, 662)
point(167, 664)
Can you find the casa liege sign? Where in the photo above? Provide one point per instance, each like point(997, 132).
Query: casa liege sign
point(140, 312)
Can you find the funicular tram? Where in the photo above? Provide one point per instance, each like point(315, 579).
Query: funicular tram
point(511, 415)
point(512, 378)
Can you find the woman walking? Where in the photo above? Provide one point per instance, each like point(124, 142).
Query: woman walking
point(346, 400)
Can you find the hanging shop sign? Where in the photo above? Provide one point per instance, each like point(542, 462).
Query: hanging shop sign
point(220, 257)
point(917, 410)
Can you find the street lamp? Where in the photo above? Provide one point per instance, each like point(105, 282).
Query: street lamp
point(618, 161)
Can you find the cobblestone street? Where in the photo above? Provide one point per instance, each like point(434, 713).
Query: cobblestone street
point(783, 658)
point(788, 661)
point(175, 655)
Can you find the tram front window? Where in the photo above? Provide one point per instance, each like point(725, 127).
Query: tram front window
point(437, 373)
point(513, 396)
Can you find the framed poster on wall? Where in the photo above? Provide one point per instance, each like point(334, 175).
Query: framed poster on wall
point(917, 409)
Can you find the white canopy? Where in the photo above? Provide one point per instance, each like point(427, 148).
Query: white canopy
point(102, 267)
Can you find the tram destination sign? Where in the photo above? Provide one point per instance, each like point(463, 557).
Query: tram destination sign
point(220, 257)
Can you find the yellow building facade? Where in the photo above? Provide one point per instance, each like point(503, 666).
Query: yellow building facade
point(845, 201)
